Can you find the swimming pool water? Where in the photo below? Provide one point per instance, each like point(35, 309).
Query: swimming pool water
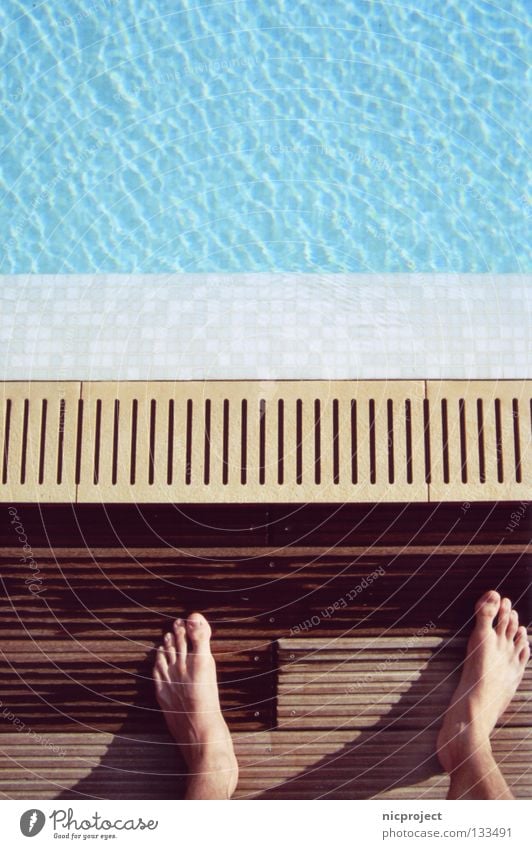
point(263, 135)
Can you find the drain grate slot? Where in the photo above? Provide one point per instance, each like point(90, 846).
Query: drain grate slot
point(336, 443)
point(207, 445)
point(408, 436)
point(391, 471)
point(5, 453)
point(170, 444)
point(97, 436)
point(23, 455)
point(445, 440)
point(262, 441)
point(317, 442)
point(188, 462)
point(463, 442)
point(153, 442)
point(244, 443)
point(291, 441)
point(116, 431)
point(133, 453)
point(354, 442)
point(42, 445)
point(280, 442)
point(517, 441)
point(299, 441)
point(498, 437)
point(372, 449)
point(79, 441)
point(225, 457)
point(426, 436)
point(480, 437)
point(61, 439)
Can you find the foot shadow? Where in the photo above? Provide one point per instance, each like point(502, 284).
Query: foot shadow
point(138, 760)
point(134, 766)
point(396, 751)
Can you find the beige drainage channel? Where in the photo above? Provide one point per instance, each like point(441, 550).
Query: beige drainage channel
point(260, 441)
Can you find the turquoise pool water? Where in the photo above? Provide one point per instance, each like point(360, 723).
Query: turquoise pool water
point(263, 135)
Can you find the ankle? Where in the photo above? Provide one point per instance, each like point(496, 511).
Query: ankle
point(208, 787)
point(468, 745)
point(211, 759)
point(213, 774)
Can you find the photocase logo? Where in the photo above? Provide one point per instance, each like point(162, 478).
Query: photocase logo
point(31, 822)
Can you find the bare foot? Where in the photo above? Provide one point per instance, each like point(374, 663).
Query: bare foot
point(187, 692)
point(494, 665)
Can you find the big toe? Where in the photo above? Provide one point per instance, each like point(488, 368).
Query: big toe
point(486, 609)
point(198, 632)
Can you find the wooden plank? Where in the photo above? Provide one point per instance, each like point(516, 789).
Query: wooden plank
point(273, 764)
point(363, 675)
point(138, 593)
point(274, 527)
point(104, 684)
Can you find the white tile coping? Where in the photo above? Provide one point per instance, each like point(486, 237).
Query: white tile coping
point(265, 326)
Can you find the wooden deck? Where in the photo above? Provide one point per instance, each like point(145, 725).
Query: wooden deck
point(332, 687)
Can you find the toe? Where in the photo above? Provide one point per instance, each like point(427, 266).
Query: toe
point(198, 632)
point(521, 639)
point(486, 609)
point(522, 645)
point(161, 665)
point(157, 677)
point(170, 649)
point(513, 623)
point(503, 618)
point(524, 653)
point(180, 636)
